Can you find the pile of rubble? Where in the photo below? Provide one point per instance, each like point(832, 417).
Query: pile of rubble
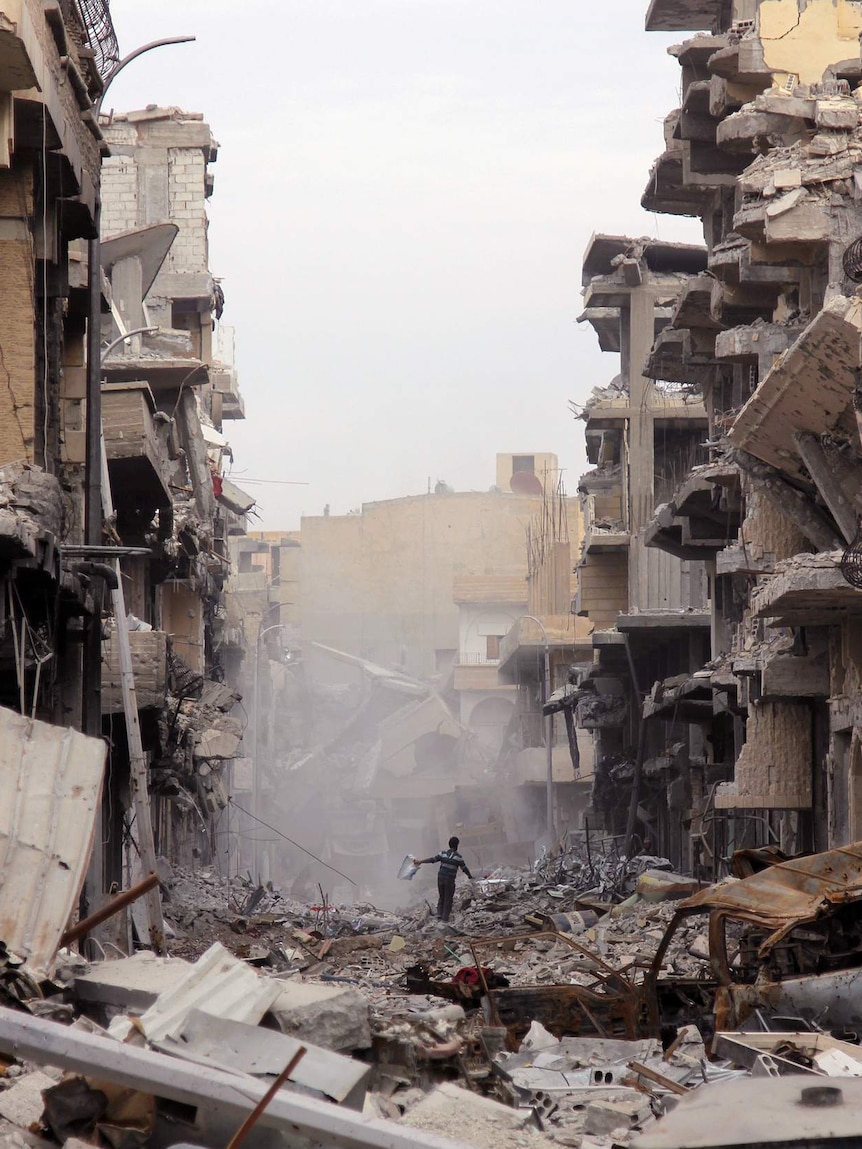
point(543, 1016)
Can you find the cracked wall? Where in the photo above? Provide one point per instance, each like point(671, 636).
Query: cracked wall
point(809, 42)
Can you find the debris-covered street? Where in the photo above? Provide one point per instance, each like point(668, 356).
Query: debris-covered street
point(575, 1002)
point(345, 805)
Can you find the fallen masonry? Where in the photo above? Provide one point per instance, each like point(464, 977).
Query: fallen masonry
point(568, 1020)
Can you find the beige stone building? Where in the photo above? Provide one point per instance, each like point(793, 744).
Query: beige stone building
point(379, 583)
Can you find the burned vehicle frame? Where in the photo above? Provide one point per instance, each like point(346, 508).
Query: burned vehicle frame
point(797, 930)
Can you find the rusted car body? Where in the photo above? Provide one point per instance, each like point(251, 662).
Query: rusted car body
point(796, 928)
point(787, 939)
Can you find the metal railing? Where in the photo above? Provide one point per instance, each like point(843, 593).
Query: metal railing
point(475, 659)
point(95, 16)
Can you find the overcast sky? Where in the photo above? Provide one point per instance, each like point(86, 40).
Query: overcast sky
point(403, 194)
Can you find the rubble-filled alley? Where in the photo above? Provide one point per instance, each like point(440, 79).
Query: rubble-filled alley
point(230, 756)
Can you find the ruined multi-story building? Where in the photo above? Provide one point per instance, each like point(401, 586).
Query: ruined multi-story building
point(52, 70)
point(742, 725)
point(169, 386)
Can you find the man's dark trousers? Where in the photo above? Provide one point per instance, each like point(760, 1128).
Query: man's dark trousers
point(446, 894)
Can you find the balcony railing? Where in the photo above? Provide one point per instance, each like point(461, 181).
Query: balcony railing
point(95, 15)
point(473, 659)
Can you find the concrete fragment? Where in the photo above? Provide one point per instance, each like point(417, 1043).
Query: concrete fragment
point(537, 1037)
point(699, 948)
point(22, 1104)
point(606, 1116)
point(131, 983)
point(786, 202)
point(473, 1120)
point(334, 1017)
point(218, 983)
point(840, 115)
point(786, 178)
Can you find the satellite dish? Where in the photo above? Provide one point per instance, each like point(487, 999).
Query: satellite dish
point(526, 483)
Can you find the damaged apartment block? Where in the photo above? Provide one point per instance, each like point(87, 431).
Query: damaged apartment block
point(722, 556)
point(166, 393)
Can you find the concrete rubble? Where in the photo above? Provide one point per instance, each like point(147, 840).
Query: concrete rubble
point(416, 1030)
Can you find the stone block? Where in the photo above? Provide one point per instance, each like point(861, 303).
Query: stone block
point(22, 1104)
point(131, 983)
point(604, 1116)
point(330, 1016)
point(836, 115)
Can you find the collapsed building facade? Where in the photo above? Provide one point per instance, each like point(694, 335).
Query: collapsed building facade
point(169, 387)
point(115, 512)
point(394, 682)
point(721, 520)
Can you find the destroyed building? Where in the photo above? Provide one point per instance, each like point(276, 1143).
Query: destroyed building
point(385, 708)
point(169, 388)
point(52, 69)
point(722, 515)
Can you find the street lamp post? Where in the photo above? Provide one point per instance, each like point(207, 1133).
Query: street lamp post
point(549, 730)
point(256, 773)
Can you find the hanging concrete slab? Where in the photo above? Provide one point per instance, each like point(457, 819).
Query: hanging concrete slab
point(50, 789)
point(808, 388)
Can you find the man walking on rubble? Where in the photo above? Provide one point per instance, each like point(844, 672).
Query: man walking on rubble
point(450, 863)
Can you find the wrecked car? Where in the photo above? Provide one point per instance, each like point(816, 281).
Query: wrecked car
point(787, 939)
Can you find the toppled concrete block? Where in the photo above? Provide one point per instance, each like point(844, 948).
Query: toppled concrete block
point(604, 1116)
point(23, 1104)
point(836, 115)
point(331, 1016)
point(131, 983)
point(473, 1120)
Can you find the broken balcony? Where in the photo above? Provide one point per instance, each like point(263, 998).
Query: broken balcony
point(150, 667)
point(167, 360)
point(603, 510)
point(137, 455)
point(756, 345)
point(702, 516)
point(667, 192)
point(784, 666)
point(807, 390)
point(526, 642)
point(741, 63)
point(31, 516)
point(682, 356)
point(807, 590)
point(687, 15)
point(782, 118)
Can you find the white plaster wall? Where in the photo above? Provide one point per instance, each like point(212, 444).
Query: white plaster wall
point(476, 622)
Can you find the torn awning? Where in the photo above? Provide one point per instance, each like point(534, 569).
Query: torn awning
point(790, 893)
point(50, 788)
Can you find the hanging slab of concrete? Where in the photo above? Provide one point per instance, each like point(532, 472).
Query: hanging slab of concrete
point(808, 388)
